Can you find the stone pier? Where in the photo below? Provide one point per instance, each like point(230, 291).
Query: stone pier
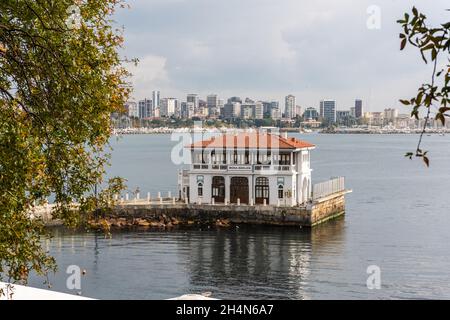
point(163, 211)
point(307, 215)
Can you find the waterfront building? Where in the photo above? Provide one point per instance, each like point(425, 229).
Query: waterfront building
point(328, 110)
point(311, 124)
point(343, 117)
point(248, 168)
point(311, 114)
point(390, 115)
point(289, 106)
point(353, 112)
point(374, 118)
point(358, 108)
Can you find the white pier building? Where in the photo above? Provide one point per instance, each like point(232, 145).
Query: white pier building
point(248, 168)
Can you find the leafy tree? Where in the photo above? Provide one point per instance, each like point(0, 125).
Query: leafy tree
point(433, 44)
point(60, 79)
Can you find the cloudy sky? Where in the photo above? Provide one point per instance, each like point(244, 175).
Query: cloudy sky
point(266, 49)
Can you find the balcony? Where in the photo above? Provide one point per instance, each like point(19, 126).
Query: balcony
point(243, 167)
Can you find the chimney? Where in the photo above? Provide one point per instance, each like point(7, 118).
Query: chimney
point(284, 135)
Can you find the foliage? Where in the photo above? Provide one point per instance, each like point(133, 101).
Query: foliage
point(433, 43)
point(59, 83)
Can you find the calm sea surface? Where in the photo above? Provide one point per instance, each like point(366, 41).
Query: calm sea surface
point(398, 218)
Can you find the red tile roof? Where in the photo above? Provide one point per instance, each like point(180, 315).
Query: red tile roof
point(252, 140)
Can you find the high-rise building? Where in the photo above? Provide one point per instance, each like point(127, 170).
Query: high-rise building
point(343, 116)
point(311, 114)
point(275, 113)
point(358, 108)
point(145, 108)
point(328, 110)
point(267, 108)
point(390, 115)
point(133, 110)
point(212, 102)
point(247, 110)
point(193, 98)
point(168, 107)
point(187, 110)
point(202, 109)
point(156, 99)
point(235, 99)
point(231, 110)
point(289, 106)
point(258, 110)
point(298, 111)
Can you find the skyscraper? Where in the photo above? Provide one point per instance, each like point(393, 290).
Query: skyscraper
point(258, 111)
point(328, 110)
point(311, 114)
point(358, 108)
point(193, 98)
point(212, 102)
point(156, 99)
point(168, 107)
point(145, 108)
point(289, 106)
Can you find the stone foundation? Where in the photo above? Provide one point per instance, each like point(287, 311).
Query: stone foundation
point(161, 215)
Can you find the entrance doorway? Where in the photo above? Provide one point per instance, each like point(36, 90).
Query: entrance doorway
point(262, 190)
point(239, 189)
point(218, 189)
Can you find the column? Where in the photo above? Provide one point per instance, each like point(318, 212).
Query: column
point(227, 188)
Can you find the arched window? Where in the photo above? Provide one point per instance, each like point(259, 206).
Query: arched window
point(280, 191)
point(200, 189)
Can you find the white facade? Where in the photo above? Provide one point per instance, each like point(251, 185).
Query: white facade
point(249, 175)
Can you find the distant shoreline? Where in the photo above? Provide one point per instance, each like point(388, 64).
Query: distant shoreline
point(156, 131)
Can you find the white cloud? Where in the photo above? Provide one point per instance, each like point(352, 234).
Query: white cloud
point(149, 74)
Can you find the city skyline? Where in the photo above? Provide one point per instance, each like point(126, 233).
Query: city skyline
point(287, 47)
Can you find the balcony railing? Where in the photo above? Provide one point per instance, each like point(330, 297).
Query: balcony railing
point(243, 167)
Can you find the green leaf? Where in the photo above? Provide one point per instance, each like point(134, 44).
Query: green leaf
point(440, 116)
point(433, 54)
point(427, 161)
point(403, 44)
point(405, 102)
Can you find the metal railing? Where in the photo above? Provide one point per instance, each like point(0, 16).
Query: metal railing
point(324, 189)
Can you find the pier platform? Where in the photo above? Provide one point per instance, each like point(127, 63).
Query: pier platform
point(167, 213)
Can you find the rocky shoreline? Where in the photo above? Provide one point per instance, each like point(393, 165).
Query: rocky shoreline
point(160, 222)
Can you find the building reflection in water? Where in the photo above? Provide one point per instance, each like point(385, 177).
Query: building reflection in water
point(258, 262)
